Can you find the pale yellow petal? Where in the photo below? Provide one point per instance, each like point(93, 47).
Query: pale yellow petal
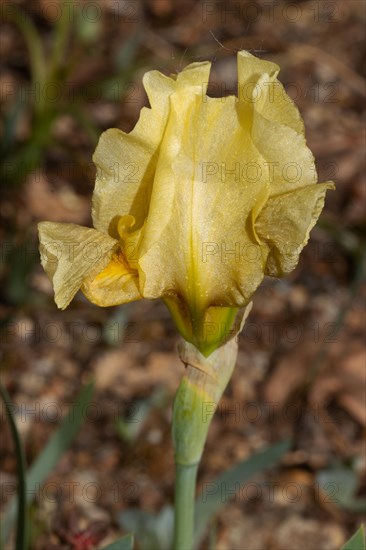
point(208, 179)
point(289, 162)
point(260, 90)
point(125, 172)
point(158, 88)
point(117, 284)
point(126, 162)
point(70, 253)
point(285, 222)
point(275, 104)
point(274, 124)
point(251, 68)
point(195, 77)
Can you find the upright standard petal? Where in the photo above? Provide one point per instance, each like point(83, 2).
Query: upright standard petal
point(289, 162)
point(259, 88)
point(285, 222)
point(126, 162)
point(207, 182)
point(70, 253)
point(274, 123)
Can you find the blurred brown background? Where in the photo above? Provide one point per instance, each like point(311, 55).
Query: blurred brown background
point(301, 367)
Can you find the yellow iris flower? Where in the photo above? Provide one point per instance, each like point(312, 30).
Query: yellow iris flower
point(201, 200)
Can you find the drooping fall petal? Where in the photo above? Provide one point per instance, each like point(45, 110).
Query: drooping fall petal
point(116, 284)
point(70, 253)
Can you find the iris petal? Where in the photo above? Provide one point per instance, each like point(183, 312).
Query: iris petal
point(285, 223)
point(116, 284)
point(70, 253)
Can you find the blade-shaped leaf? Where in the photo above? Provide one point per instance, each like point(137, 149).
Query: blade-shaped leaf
point(21, 537)
point(357, 541)
point(33, 41)
point(210, 502)
point(152, 531)
point(340, 484)
point(47, 460)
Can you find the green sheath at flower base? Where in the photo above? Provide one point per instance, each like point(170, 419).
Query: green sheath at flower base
point(199, 393)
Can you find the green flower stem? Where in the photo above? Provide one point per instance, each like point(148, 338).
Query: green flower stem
point(198, 395)
point(185, 486)
point(195, 403)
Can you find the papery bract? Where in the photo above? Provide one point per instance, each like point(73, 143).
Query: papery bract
point(201, 200)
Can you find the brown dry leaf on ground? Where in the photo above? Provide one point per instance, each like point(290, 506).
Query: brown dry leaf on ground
point(345, 381)
point(291, 532)
point(297, 533)
point(118, 371)
point(289, 373)
point(112, 368)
